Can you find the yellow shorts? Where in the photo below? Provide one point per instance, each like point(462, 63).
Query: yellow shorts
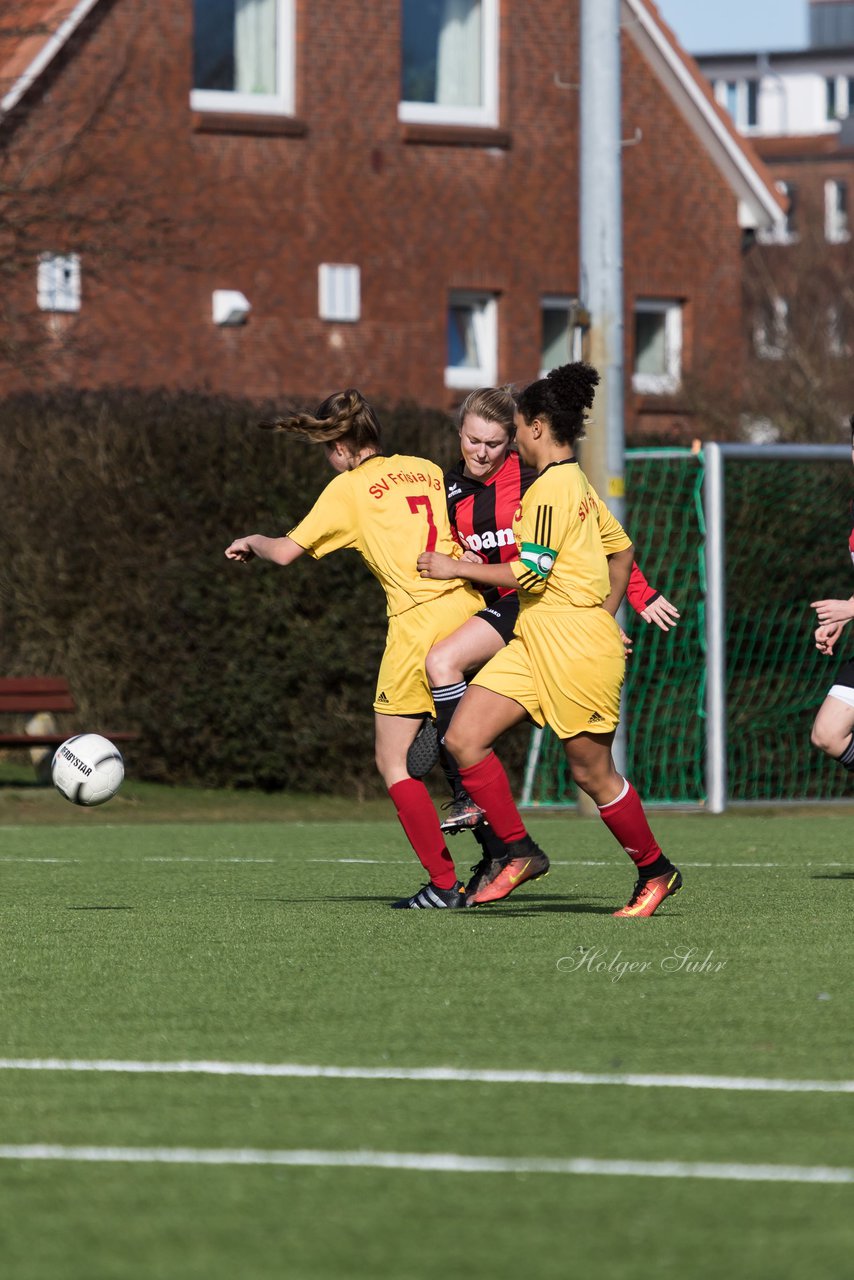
point(565, 668)
point(402, 688)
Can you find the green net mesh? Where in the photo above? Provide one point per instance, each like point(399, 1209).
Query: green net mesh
point(786, 544)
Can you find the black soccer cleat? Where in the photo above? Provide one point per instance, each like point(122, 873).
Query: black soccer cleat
point(423, 754)
point(463, 815)
point(431, 896)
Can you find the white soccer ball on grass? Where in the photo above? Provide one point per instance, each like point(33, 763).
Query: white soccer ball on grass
point(88, 769)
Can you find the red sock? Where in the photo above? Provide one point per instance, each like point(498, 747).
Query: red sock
point(626, 820)
point(420, 821)
point(486, 783)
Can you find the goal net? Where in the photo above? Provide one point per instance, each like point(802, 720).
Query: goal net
point(740, 538)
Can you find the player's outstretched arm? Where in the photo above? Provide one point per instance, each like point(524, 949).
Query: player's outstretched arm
point(828, 611)
point(278, 550)
point(433, 564)
point(660, 611)
point(649, 603)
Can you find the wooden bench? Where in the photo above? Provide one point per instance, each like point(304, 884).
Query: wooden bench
point(27, 695)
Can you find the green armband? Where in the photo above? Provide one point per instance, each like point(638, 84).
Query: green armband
point(540, 560)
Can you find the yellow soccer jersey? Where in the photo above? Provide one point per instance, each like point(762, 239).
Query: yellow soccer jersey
point(389, 510)
point(564, 534)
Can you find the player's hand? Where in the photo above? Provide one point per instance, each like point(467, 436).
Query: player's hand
point(830, 611)
point(472, 557)
point(240, 549)
point(433, 564)
point(664, 614)
point(826, 637)
point(627, 641)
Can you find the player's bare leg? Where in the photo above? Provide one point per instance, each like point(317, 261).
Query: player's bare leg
point(592, 766)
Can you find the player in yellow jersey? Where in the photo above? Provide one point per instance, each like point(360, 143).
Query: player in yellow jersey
point(389, 509)
point(565, 663)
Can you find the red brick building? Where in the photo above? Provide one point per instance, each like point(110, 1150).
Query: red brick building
point(797, 109)
point(272, 197)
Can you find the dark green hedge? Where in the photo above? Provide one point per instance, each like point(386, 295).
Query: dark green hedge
point(118, 508)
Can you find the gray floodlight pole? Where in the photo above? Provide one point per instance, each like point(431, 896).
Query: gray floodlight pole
point(601, 256)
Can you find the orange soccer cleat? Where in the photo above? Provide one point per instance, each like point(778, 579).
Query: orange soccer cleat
point(498, 878)
point(649, 894)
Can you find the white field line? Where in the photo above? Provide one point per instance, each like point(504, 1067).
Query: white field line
point(434, 1163)
point(406, 862)
point(587, 862)
point(307, 1071)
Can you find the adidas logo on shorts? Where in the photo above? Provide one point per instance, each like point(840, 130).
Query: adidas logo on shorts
point(382, 698)
point(596, 718)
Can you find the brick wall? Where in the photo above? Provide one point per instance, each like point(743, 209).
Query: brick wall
point(197, 210)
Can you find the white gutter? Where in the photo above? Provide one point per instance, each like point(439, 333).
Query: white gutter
point(46, 54)
point(755, 199)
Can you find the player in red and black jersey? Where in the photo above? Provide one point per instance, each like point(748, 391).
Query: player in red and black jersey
point(833, 730)
point(484, 490)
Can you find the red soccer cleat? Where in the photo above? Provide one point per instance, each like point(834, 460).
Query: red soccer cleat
point(499, 878)
point(649, 894)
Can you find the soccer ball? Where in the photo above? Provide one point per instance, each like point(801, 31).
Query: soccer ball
point(87, 769)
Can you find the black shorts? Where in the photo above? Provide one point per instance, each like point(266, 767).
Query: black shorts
point(844, 676)
point(502, 615)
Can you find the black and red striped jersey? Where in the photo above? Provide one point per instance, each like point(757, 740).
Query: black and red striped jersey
point(482, 512)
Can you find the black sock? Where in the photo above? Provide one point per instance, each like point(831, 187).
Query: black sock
point(661, 867)
point(489, 842)
point(447, 699)
point(847, 757)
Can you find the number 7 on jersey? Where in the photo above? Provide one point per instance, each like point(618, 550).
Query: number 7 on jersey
point(423, 501)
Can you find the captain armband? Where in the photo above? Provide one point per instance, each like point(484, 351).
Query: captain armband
point(539, 560)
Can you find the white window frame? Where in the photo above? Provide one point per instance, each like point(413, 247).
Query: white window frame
point(282, 102)
point(784, 233)
point(671, 380)
point(562, 302)
point(734, 97)
point(837, 347)
point(773, 345)
point(339, 292)
point(484, 116)
point(837, 227)
point(485, 319)
point(58, 284)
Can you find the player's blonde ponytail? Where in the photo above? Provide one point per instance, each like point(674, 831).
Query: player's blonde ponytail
point(345, 415)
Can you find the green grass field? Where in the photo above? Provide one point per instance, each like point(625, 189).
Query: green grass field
point(178, 927)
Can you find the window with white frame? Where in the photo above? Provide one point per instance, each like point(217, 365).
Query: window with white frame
point(837, 228)
point(243, 56)
point(787, 231)
point(472, 340)
point(658, 346)
point(559, 336)
point(837, 332)
point(740, 98)
point(339, 292)
point(449, 62)
point(771, 329)
point(831, 98)
point(58, 282)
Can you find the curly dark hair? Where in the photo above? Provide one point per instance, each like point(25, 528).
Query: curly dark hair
point(561, 399)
